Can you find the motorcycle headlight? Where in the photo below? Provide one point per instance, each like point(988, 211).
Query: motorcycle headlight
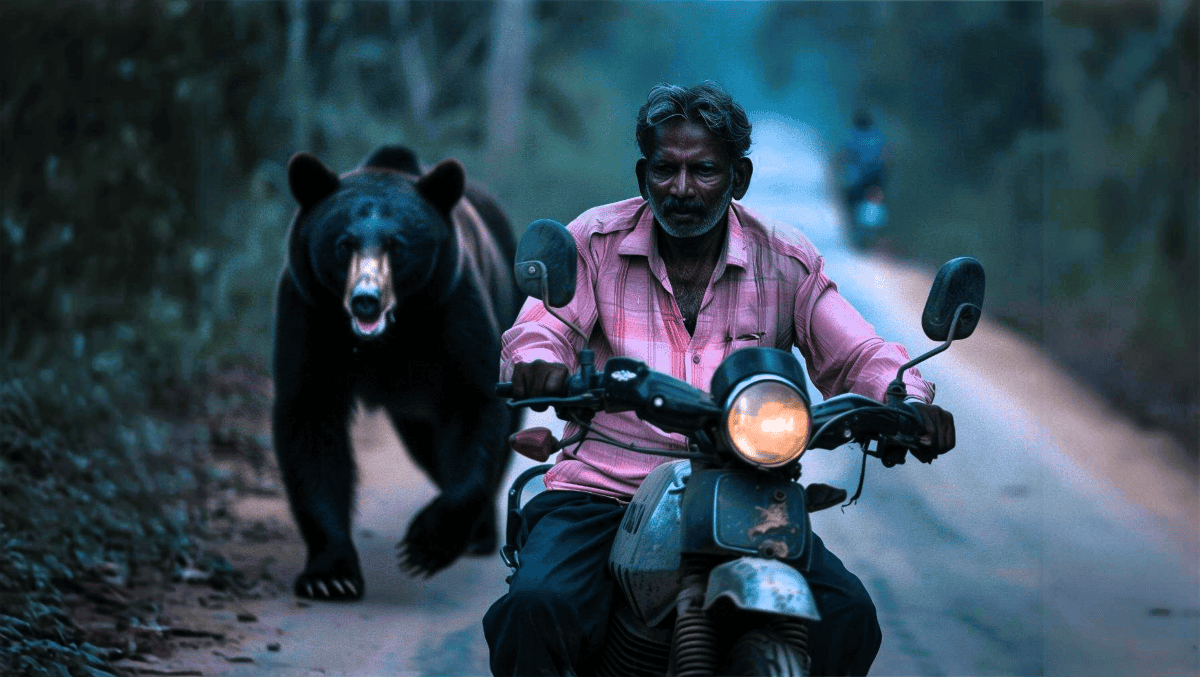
point(767, 420)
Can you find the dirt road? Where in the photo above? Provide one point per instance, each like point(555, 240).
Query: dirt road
point(1057, 539)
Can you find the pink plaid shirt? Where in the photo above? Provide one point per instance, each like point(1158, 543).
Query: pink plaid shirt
point(769, 288)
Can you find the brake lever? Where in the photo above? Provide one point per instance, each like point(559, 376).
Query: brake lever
point(584, 401)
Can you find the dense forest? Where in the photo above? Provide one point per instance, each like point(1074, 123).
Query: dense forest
point(144, 204)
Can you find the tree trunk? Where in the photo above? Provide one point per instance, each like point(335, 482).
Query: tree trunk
point(508, 77)
point(297, 77)
point(413, 64)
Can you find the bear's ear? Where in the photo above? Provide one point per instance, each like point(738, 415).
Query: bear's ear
point(394, 157)
point(310, 180)
point(443, 185)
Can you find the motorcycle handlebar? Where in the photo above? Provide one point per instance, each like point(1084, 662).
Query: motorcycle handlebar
point(858, 413)
point(854, 416)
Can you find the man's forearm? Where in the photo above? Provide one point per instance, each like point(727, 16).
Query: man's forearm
point(531, 339)
point(848, 356)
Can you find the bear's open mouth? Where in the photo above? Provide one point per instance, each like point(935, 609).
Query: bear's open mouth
point(370, 329)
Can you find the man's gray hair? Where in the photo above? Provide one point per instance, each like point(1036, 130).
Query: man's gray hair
point(706, 103)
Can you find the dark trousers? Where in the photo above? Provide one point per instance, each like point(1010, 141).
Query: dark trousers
point(553, 618)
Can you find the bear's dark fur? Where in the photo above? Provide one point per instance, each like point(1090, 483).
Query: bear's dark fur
point(396, 289)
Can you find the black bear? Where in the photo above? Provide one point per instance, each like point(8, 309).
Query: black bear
point(396, 289)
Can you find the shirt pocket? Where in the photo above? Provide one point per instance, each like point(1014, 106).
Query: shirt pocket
point(748, 327)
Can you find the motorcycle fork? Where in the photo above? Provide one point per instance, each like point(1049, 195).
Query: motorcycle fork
point(694, 647)
point(793, 631)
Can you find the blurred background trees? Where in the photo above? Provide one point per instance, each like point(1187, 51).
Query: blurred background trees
point(145, 202)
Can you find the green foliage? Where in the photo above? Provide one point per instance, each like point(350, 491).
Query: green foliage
point(109, 275)
point(105, 254)
point(89, 494)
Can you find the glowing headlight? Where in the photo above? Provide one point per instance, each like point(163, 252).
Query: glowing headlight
point(767, 421)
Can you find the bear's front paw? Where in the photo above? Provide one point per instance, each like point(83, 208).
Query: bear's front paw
point(437, 536)
point(331, 576)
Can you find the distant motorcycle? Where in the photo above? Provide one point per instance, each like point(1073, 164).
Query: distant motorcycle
point(862, 189)
point(866, 209)
point(711, 555)
point(868, 217)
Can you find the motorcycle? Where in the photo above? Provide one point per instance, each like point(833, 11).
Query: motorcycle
point(868, 217)
point(711, 555)
point(866, 209)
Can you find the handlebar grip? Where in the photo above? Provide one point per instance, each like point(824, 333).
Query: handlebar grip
point(911, 425)
point(504, 389)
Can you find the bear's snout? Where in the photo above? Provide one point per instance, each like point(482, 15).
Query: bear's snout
point(369, 293)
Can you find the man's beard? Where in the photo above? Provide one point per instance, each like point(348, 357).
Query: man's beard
point(672, 206)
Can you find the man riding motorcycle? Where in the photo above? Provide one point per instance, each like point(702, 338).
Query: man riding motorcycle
point(678, 278)
point(863, 158)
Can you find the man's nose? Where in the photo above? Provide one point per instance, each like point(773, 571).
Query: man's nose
point(682, 185)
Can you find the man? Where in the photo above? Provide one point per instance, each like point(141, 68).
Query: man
point(678, 278)
point(863, 157)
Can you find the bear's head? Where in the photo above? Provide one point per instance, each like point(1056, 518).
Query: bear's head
point(374, 237)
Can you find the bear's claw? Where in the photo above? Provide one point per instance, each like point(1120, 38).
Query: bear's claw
point(435, 539)
point(331, 589)
point(332, 578)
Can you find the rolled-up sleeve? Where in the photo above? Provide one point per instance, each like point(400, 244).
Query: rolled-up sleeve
point(843, 351)
point(538, 335)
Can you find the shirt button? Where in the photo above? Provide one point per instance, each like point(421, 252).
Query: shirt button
point(696, 358)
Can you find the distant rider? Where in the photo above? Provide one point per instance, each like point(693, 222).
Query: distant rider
point(863, 157)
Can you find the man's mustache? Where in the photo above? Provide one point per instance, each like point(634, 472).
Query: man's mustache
point(677, 206)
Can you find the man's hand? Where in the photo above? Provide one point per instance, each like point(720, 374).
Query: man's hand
point(539, 379)
point(939, 431)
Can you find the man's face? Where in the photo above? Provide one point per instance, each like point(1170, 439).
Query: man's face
point(689, 180)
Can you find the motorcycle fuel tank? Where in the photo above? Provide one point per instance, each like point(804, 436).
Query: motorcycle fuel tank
point(645, 553)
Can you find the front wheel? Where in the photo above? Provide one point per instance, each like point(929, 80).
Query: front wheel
point(763, 653)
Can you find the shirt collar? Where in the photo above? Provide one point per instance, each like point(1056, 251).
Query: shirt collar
point(640, 242)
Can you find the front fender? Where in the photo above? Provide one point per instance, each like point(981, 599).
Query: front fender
point(759, 584)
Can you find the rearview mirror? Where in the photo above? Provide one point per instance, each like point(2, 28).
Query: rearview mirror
point(546, 250)
point(960, 281)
